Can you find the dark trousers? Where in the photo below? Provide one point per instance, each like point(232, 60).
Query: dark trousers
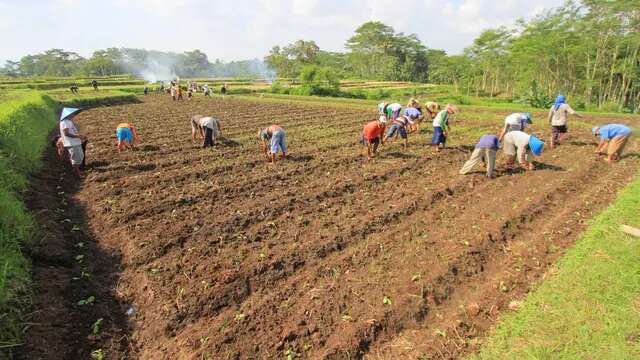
point(208, 137)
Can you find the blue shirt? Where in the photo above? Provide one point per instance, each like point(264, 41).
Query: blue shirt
point(488, 142)
point(610, 131)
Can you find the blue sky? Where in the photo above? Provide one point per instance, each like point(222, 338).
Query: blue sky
point(241, 29)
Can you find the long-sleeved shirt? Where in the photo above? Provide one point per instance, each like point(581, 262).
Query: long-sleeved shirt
point(559, 117)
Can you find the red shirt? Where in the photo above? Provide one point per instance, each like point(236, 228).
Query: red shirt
point(372, 130)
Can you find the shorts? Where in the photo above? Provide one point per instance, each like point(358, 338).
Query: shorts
point(76, 155)
point(562, 129)
point(399, 128)
point(278, 142)
point(438, 136)
point(364, 141)
point(124, 134)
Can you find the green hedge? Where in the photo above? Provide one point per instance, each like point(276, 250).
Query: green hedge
point(25, 120)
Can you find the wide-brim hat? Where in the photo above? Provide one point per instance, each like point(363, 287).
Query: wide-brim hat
point(536, 145)
point(66, 112)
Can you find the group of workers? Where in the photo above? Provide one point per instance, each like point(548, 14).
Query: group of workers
point(516, 143)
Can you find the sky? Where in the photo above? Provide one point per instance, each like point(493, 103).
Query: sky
point(242, 29)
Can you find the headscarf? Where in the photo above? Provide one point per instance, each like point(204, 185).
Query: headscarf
point(595, 130)
point(66, 112)
point(559, 101)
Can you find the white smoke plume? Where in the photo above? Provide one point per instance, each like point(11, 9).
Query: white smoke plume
point(152, 68)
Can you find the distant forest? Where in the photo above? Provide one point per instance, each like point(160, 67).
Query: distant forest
point(588, 50)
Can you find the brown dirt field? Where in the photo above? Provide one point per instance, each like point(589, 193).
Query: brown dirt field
point(324, 255)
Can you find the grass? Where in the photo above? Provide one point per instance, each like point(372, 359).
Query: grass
point(25, 119)
point(589, 308)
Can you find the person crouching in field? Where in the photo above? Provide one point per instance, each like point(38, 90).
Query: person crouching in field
point(484, 152)
point(71, 139)
point(127, 136)
point(558, 115)
point(441, 126)
point(400, 126)
point(372, 135)
point(275, 136)
point(431, 109)
point(208, 127)
point(613, 139)
point(524, 146)
point(415, 115)
point(515, 122)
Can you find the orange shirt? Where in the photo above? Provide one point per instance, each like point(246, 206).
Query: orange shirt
point(372, 130)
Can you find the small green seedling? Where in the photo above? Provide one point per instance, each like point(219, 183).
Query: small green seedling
point(97, 354)
point(96, 327)
point(239, 317)
point(386, 300)
point(79, 258)
point(88, 301)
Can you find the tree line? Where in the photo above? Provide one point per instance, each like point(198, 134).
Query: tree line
point(587, 50)
point(139, 62)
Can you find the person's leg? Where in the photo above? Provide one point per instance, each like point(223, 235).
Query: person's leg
point(552, 142)
point(490, 159)
point(403, 135)
point(283, 145)
point(76, 155)
point(473, 161)
point(208, 138)
point(615, 148)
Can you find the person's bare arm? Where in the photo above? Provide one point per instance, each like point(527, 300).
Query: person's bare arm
point(67, 133)
point(550, 117)
point(503, 132)
point(601, 146)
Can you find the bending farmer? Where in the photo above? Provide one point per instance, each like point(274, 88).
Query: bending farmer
point(372, 135)
point(278, 142)
point(127, 136)
point(524, 146)
point(613, 139)
point(484, 152)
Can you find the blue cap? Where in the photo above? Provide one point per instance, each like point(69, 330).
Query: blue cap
point(536, 145)
point(66, 112)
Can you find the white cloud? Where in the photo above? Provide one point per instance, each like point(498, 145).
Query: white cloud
point(243, 29)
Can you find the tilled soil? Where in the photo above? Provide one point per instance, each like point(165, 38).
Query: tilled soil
point(218, 255)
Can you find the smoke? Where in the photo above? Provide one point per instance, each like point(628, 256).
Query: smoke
point(152, 68)
point(156, 71)
point(261, 69)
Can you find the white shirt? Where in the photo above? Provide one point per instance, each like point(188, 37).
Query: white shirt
point(209, 122)
point(513, 119)
point(517, 138)
point(395, 107)
point(69, 141)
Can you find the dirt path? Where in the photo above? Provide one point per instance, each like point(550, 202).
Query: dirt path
point(323, 256)
point(69, 267)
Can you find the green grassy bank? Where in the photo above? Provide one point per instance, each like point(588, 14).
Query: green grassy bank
point(25, 120)
point(589, 308)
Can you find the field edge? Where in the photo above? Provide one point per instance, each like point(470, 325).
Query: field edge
point(598, 315)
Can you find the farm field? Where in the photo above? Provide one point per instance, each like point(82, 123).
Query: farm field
point(218, 255)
